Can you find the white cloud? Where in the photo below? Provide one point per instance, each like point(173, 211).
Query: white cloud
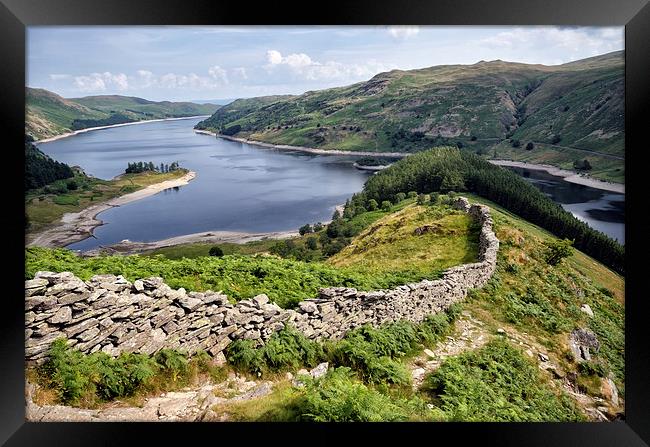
point(218, 74)
point(274, 57)
point(301, 66)
point(571, 41)
point(99, 82)
point(403, 32)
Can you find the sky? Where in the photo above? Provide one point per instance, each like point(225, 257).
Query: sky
point(224, 62)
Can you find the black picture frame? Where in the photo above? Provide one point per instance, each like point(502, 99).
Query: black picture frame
point(15, 15)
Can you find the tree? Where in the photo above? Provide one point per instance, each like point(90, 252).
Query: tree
point(399, 197)
point(412, 194)
point(516, 143)
point(421, 199)
point(317, 227)
point(312, 243)
point(336, 215)
point(72, 185)
point(216, 251)
point(473, 138)
point(433, 198)
point(385, 205)
point(558, 249)
point(305, 229)
point(529, 146)
point(459, 144)
point(582, 165)
point(372, 205)
point(556, 139)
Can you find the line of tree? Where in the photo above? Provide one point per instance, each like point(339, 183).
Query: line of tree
point(143, 166)
point(447, 169)
point(41, 169)
point(116, 118)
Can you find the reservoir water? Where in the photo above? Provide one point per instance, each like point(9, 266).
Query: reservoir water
point(238, 187)
point(602, 210)
point(241, 187)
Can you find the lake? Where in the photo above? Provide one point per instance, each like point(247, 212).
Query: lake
point(602, 210)
point(241, 187)
point(238, 187)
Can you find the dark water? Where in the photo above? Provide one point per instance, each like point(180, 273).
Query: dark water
point(602, 210)
point(238, 187)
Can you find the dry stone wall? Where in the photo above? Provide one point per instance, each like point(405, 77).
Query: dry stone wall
point(111, 314)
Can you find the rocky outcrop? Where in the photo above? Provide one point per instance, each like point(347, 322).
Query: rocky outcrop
point(111, 314)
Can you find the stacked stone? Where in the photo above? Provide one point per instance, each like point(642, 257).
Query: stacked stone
point(111, 314)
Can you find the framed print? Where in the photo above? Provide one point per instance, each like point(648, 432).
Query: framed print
point(416, 213)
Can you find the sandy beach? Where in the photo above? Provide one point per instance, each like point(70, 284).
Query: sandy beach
point(75, 227)
point(310, 150)
point(569, 176)
point(88, 129)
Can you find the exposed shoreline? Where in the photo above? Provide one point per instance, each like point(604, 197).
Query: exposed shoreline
point(75, 227)
point(310, 150)
point(569, 176)
point(88, 129)
point(127, 247)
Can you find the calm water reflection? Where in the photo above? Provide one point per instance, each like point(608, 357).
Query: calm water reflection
point(238, 187)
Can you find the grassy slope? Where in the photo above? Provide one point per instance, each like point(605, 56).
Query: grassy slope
point(48, 114)
point(48, 204)
point(390, 243)
point(450, 104)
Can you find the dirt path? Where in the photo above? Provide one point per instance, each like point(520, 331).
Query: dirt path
point(78, 226)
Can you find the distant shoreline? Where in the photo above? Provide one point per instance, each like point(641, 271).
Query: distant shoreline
point(569, 176)
point(88, 129)
point(75, 227)
point(310, 150)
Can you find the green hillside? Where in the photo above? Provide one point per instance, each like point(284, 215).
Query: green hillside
point(49, 114)
point(482, 107)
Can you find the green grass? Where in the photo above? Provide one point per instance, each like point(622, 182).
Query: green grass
point(45, 206)
point(202, 249)
point(390, 244)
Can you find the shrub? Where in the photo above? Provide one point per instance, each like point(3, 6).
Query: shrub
point(516, 143)
point(421, 200)
point(400, 196)
point(434, 198)
point(558, 249)
point(412, 195)
point(337, 397)
point(473, 138)
point(305, 229)
point(317, 227)
point(312, 243)
point(556, 139)
point(216, 251)
point(285, 349)
point(372, 205)
point(530, 146)
point(385, 205)
point(72, 185)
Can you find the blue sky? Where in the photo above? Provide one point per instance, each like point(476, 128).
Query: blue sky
point(194, 63)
